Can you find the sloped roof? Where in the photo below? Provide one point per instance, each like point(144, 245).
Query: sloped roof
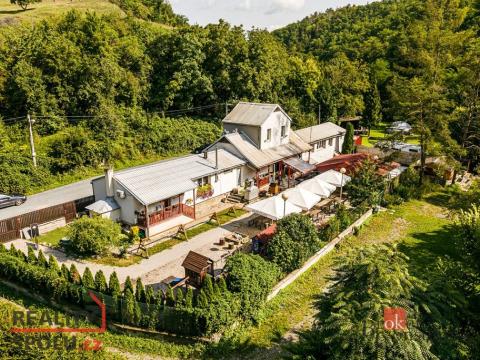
point(253, 114)
point(261, 158)
point(320, 132)
point(103, 206)
point(196, 262)
point(164, 179)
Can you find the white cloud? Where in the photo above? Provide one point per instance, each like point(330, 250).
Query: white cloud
point(284, 5)
point(244, 5)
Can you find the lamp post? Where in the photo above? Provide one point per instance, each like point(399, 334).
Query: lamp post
point(285, 198)
point(342, 171)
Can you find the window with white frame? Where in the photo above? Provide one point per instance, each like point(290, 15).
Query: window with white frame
point(283, 130)
point(202, 181)
point(269, 134)
point(330, 142)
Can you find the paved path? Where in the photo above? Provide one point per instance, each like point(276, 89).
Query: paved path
point(48, 198)
point(158, 266)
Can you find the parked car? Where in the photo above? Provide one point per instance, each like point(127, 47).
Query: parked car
point(10, 200)
point(399, 127)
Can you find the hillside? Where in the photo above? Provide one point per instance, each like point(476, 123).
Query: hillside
point(155, 11)
point(11, 13)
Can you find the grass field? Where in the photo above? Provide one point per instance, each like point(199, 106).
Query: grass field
point(379, 133)
point(47, 8)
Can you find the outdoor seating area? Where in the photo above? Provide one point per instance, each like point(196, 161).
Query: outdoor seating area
point(315, 196)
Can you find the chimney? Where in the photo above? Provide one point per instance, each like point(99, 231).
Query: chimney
point(109, 181)
point(205, 154)
point(216, 158)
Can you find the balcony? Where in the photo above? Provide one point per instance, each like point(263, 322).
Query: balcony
point(167, 213)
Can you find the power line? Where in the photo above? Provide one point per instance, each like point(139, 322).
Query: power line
point(176, 111)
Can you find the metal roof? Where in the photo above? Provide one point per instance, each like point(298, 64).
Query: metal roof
point(253, 114)
point(103, 206)
point(299, 165)
point(261, 158)
point(320, 132)
point(164, 179)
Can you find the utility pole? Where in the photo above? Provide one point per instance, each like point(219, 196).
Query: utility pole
point(226, 108)
point(32, 144)
point(319, 114)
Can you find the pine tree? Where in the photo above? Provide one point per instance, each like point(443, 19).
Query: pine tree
point(114, 285)
point(87, 279)
point(42, 260)
point(75, 277)
point(128, 308)
point(13, 250)
point(100, 282)
point(128, 285)
point(202, 299)
point(348, 142)
point(65, 272)
point(53, 264)
point(140, 291)
point(31, 257)
point(189, 298)
point(207, 287)
point(170, 297)
point(3, 249)
point(149, 295)
point(372, 114)
point(222, 285)
point(180, 298)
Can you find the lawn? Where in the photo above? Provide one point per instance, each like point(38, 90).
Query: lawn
point(421, 227)
point(49, 8)
point(379, 133)
point(52, 238)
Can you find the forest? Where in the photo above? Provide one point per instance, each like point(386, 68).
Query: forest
point(105, 88)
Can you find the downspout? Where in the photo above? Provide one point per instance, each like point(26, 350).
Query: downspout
point(147, 221)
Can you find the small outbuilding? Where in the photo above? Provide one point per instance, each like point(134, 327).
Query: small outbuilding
point(197, 266)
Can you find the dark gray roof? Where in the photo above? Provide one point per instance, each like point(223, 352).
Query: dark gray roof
point(164, 179)
point(320, 132)
point(253, 114)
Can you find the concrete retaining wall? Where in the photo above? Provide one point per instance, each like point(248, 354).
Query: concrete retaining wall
point(294, 275)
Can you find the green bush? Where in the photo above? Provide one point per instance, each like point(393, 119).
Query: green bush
point(93, 236)
point(251, 278)
point(295, 241)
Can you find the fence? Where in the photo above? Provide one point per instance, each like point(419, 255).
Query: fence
point(313, 260)
point(10, 228)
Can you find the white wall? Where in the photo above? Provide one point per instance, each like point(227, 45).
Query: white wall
point(319, 153)
point(275, 122)
point(128, 205)
point(225, 183)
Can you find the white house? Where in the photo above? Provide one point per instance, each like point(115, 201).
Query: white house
point(258, 144)
point(174, 189)
point(325, 139)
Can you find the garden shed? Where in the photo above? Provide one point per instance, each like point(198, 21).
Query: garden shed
point(197, 266)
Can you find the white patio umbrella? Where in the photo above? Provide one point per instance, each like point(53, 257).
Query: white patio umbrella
point(302, 198)
point(319, 187)
point(334, 177)
point(274, 208)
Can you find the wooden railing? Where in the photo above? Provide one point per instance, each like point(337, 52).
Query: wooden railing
point(167, 213)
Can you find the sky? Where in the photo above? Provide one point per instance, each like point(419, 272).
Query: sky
point(269, 14)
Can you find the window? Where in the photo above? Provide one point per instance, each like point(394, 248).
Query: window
point(269, 134)
point(330, 142)
point(202, 181)
point(284, 130)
